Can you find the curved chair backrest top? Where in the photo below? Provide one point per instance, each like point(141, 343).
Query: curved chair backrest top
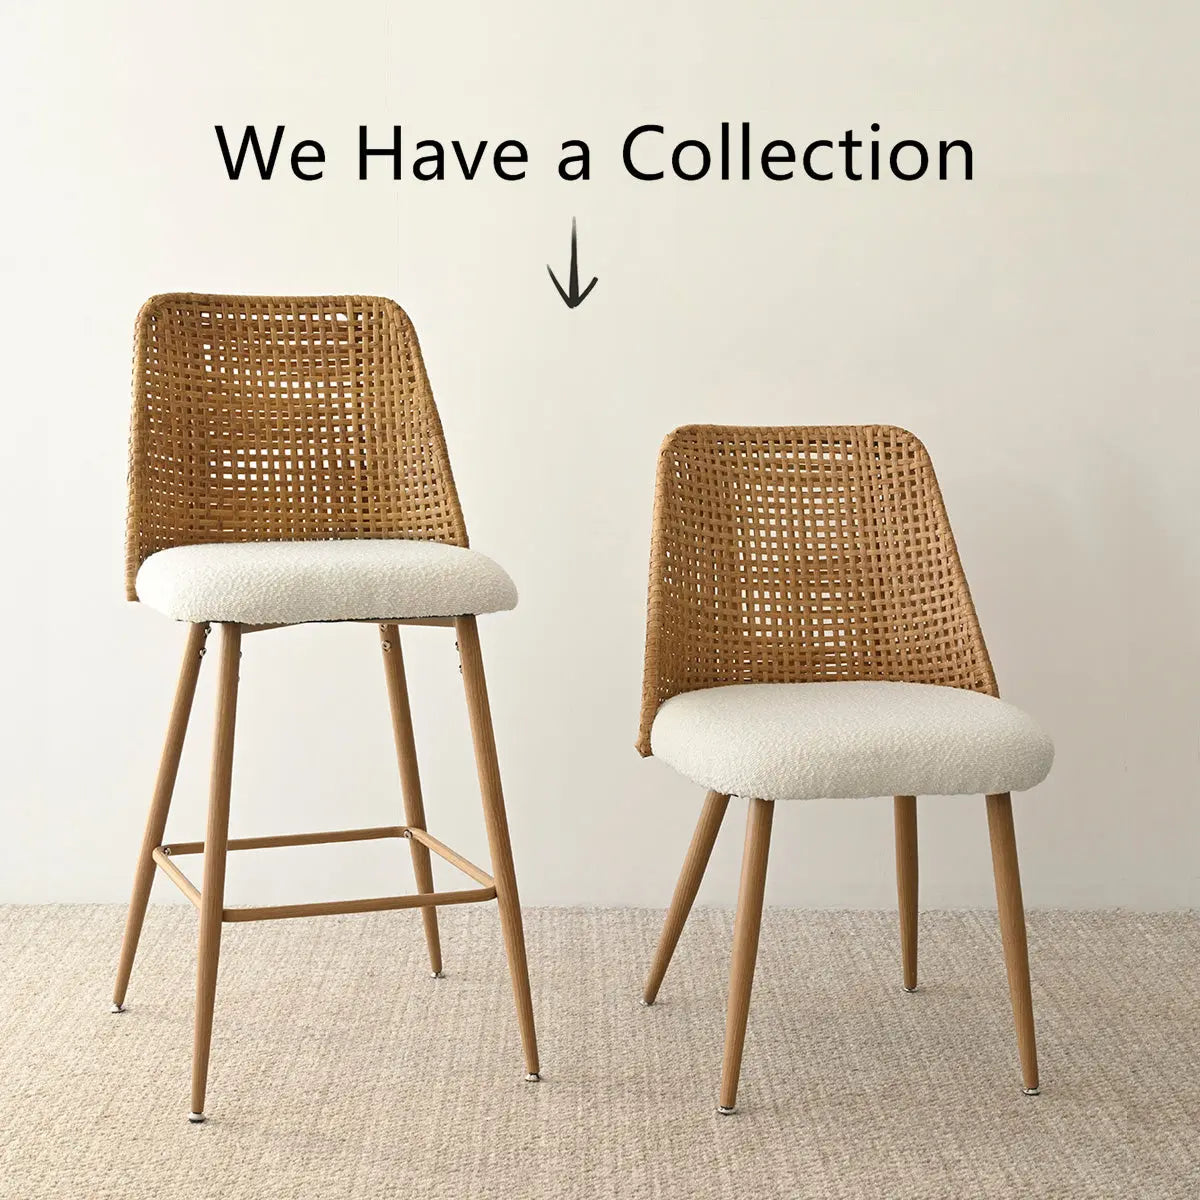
point(282, 418)
point(800, 555)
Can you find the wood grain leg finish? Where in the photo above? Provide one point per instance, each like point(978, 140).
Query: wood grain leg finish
point(747, 924)
point(906, 886)
point(694, 866)
point(216, 838)
point(497, 831)
point(160, 806)
point(410, 782)
point(1012, 932)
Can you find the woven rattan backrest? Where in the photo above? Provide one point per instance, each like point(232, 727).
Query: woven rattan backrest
point(801, 555)
point(282, 418)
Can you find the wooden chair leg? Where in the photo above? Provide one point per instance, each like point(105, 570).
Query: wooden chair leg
point(160, 805)
point(906, 886)
point(216, 838)
point(1012, 932)
point(745, 946)
point(694, 865)
point(410, 782)
point(498, 839)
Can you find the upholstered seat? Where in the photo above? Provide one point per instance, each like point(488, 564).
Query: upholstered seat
point(349, 579)
point(805, 741)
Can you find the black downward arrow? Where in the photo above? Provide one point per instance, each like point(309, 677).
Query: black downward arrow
point(572, 297)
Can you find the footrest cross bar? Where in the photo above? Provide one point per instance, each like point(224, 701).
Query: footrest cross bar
point(165, 854)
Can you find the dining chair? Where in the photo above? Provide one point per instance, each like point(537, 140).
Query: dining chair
point(287, 465)
point(810, 635)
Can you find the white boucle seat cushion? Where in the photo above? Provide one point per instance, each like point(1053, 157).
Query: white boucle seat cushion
point(351, 579)
point(804, 741)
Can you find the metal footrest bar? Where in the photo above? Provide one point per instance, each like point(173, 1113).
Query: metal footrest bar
point(176, 876)
point(294, 839)
point(276, 912)
point(163, 856)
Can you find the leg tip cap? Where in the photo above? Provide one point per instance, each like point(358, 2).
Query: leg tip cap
point(908, 989)
point(533, 1077)
point(726, 1111)
point(1033, 1091)
point(437, 974)
point(116, 1008)
point(196, 1118)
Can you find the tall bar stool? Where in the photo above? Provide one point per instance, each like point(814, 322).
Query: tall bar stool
point(287, 465)
point(810, 635)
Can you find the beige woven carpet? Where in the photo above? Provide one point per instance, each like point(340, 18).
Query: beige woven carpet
point(341, 1070)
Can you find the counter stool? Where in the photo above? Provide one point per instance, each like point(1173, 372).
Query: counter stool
point(810, 635)
point(287, 465)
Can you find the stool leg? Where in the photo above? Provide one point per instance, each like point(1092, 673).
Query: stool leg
point(160, 805)
point(747, 924)
point(410, 782)
point(1012, 933)
point(216, 838)
point(497, 831)
point(906, 886)
point(694, 866)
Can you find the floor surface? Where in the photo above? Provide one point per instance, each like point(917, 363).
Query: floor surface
point(340, 1069)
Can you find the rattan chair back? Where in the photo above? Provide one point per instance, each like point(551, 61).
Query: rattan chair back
point(798, 555)
point(282, 418)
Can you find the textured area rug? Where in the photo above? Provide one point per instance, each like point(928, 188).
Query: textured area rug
point(340, 1069)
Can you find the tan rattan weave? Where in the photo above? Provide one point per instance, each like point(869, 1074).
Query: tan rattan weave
point(797, 555)
point(280, 418)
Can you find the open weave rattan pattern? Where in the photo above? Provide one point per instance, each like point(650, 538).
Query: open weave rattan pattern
point(280, 418)
point(794, 555)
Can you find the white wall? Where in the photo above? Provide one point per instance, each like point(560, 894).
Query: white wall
point(1037, 327)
